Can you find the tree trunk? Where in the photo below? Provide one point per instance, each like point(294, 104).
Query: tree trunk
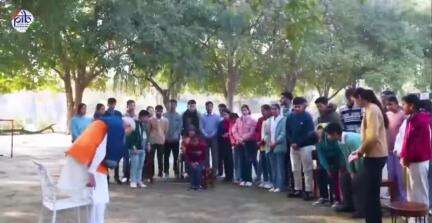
point(289, 81)
point(79, 92)
point(165, 98)
point(231, 83)
point(69, 98)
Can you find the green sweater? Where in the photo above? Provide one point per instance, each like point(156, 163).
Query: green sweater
point(329, 154)
point(135, 139)
point(351, 142)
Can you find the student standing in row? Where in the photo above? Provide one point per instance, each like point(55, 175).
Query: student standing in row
point(224, 144)
point(209, 128)
point(158, 130)
point(350, 114)
point(137, 143)
point(417, 149)
point(111, 104)
point(243, 132)
point(191, 117)
point(263, 170)
point(278, 148)
point(130, 112)
point(374, 149)
point(299, 125)
point(286, 105)
point(99, 111)
point(172, 141)
point(395, 172)
point(79, 121)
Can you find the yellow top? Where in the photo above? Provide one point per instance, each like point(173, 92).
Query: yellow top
point(373, 131)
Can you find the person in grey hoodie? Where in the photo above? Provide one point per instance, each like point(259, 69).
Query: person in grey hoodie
point(172, 139)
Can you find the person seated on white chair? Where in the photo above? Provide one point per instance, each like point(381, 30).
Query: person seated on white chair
point(85, 166)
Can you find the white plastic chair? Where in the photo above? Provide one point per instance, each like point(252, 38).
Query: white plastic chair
point(50, 194)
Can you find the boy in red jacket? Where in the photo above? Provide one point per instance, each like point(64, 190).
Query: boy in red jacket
point(417, 149)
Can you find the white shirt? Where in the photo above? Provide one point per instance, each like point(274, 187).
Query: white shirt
point(400, 138)
point(74, 177)
point(273, 125)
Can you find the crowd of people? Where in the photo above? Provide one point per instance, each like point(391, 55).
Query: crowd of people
point(341, 154)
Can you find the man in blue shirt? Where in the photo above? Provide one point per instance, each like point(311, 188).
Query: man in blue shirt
point(299, 126)
point(209, 128)
point(112, 102)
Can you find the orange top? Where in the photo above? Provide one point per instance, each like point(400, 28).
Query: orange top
point(84, 148)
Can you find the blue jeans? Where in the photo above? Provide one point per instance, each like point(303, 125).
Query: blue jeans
point(195, 174)
point(137, 164)
point(238, 153)
point(278, 170)
point(263, 169)
point(269, 166)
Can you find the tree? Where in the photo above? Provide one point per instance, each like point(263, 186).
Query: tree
point(282, 31)
point(160, 42)
point(73, 47)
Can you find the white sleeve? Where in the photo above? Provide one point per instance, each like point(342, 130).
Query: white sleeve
point(400, 138)
point(99, 156)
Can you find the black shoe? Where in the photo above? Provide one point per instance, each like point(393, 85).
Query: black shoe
point(307, 196)
point(343, 208)
point(357, 215)
point(227, 179)
point(295, 193)
point(160, 174)
point(118, 181)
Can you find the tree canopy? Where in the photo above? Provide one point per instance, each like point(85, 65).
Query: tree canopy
point(224, 47)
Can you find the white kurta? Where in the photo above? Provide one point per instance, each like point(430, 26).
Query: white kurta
point(74, 176)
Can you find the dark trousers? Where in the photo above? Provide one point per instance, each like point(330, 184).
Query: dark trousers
point(263, 167)
point(174, 147)
point(347, 190)
point(323, 182)
point(126, 167)
point(225, 159)
point(373, 178)
point(247, 158)
point(359, 193)
point(195, 173)
point(160, 157)
point(149, 164)
point(289, 177)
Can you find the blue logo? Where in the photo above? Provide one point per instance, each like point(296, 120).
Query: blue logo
point(22, 20)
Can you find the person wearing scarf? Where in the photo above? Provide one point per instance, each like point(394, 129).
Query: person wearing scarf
point(98, 148)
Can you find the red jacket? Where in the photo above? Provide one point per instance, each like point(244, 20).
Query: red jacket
point(417, 146)
point(194, 149)
point(258, 129)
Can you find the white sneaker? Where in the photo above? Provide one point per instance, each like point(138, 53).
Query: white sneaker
point(124, 180)
point(277, 190)
point(261, 185)
point(272, 189)
point(142, 185)
point(268, 185)
point(133, 185)
point(248, 184)
point(242, 184)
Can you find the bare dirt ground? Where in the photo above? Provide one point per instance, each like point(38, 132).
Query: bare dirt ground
point(160, 202)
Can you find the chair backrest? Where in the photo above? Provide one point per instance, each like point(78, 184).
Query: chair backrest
point(48, 188)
